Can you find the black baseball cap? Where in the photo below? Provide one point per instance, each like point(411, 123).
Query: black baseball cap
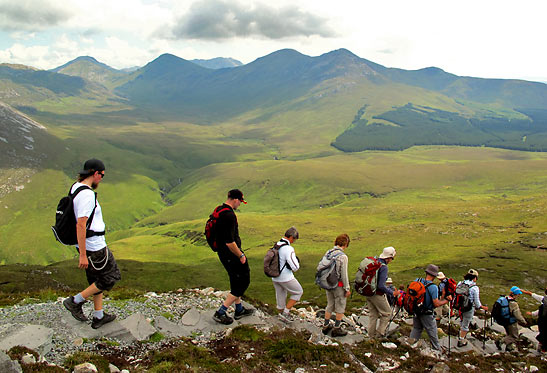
point(92, 165)
point(236, 194)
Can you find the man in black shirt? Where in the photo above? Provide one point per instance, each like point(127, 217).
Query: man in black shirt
point(232, 258)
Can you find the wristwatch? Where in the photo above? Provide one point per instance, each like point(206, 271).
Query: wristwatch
point(242, 255)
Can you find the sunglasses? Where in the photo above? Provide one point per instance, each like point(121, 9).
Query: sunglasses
point(102, 175)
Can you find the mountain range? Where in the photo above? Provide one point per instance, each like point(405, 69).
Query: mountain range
point(384, 108)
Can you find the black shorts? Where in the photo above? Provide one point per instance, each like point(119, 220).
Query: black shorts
point(102, 269)
point(240, 274)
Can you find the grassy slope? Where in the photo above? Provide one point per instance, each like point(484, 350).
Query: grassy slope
point(457, 207)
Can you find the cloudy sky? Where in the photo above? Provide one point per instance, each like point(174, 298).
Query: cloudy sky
point(484, 38)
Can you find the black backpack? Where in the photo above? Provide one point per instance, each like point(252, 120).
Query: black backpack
point(64, 229)
point(210, 227)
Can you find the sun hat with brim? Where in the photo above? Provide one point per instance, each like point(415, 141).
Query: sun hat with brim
point(432, 270)
point(515, 290)
point(388, 252)
point(473, 272)
point(389, 280)
point(441, 276)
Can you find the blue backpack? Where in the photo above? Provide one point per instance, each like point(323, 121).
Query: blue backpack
point(501, 313)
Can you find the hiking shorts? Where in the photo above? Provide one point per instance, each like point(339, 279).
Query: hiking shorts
point(466, 319)
point(102, 269)
point(239, 274)
point(336, 300)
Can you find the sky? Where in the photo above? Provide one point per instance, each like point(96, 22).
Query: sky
point(481, 38)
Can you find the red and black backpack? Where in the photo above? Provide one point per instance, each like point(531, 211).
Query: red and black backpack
point(210, 227)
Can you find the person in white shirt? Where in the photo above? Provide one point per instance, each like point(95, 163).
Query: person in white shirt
point(94, 256)
point(286, 283)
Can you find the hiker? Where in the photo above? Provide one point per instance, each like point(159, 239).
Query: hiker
point(470, 279)
point(336, 299)
point(541, 314)
point(445, 308)
point(286, 282)
point(514, 317)
point(232, 258)
point(94, 256)
point(378, 305)
point(426, 319)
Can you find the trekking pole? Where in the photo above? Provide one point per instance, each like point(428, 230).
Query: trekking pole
point(449, 324)
point(484, 331)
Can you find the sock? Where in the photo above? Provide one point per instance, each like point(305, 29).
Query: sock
point(78, 298)
point(222, 310)
point(239, 307)
point(327, 322)
point(286, 311)
point(98, 314)
point(337, 323)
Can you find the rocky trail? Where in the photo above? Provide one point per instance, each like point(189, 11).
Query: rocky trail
point(156, 322)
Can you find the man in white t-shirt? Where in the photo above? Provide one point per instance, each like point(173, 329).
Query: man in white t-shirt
point(101, 269)
point(286, 282)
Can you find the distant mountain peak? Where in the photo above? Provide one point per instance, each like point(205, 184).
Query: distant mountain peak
point(218, 63)
point(83, 59)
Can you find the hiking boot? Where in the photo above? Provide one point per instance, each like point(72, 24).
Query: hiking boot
point(222, 318)
point(75, 308)
point(286, 317)
point(462, 342)
point(244, 312)
point(326, 329)
point(97, 323)
point(498, 344)
point(338, 332)
point(510, 347)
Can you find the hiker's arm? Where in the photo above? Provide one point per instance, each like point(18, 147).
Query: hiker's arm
point(382, 277)
point(81, 230)
point(437, 302)
point(476, 298)
point(344, 272)
point(236, 251)
point(515, 311)
point(293, 262)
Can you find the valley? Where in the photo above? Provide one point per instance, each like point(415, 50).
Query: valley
point(174, 142)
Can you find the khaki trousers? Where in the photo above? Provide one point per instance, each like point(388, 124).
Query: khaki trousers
point(378, 308)
point(512, 333)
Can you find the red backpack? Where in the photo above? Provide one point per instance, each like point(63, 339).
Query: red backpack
point(450, 286)
point(365, 278)
point(210, 231)
point(414, 298)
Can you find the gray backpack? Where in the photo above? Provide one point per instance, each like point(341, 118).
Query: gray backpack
point(327, 277)
point(271, 261)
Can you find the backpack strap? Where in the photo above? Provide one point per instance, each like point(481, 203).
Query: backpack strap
point(276, 247)
point(89, 232)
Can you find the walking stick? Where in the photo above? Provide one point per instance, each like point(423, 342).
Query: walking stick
point(484, 331)
point(449, 324)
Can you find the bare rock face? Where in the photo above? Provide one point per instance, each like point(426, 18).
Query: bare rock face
point(85, 368)
point(35, 337)
point(7, 365)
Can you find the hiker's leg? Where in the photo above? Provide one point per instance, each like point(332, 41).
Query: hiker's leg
point(296, 291)
point(330, 304)
point(417, 328)
point(384, 310)
point(512, 334)
point(373, 317)
point(98, 301)
point(231, 299)
point(339, 302)
point(430, 325)
point(280, 295)
point(90, 290)
point(466, 320)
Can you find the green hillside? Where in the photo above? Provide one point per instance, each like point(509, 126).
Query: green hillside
point(176, 136)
